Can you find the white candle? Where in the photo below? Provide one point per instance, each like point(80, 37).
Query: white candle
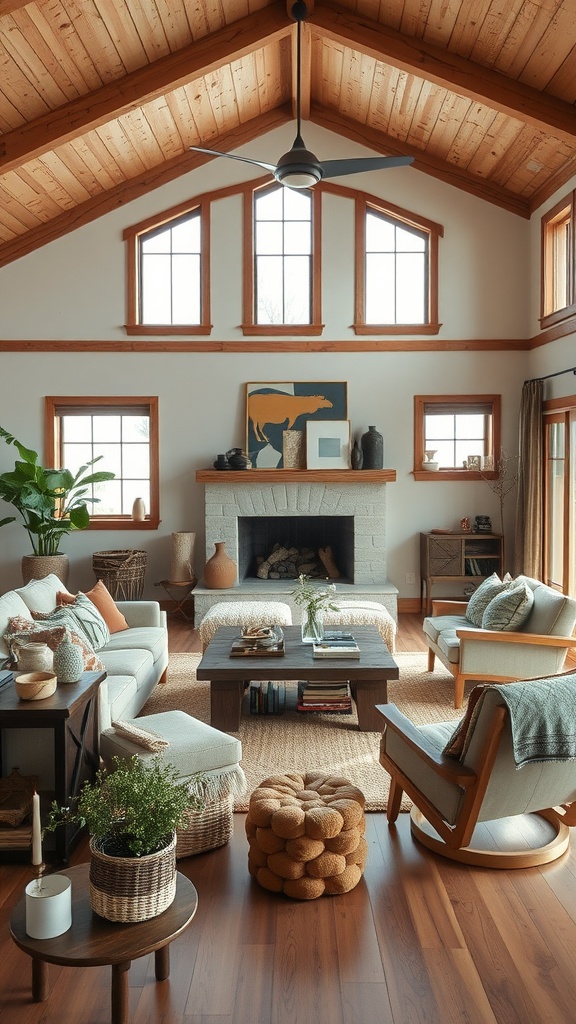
point(36, 832)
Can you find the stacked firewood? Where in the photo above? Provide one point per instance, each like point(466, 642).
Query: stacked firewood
point(289, 563)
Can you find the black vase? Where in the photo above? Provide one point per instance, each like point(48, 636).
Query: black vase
point(372, 449)
point(356, 456)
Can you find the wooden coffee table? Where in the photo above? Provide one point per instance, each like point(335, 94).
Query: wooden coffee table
point(94, 942)
point(368, 675)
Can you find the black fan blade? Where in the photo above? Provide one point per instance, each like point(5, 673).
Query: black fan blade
point(337, 168)
point(231, 156)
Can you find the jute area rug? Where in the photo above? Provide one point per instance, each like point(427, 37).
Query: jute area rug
point(296, 741)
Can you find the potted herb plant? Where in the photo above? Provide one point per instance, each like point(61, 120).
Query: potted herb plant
point(314, 600)
point(132, 813)
point(51, 502)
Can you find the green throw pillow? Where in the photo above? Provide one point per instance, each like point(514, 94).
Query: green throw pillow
point(510, 609)
point(481, 598)
point(81, 616)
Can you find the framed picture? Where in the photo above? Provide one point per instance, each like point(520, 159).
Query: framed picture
point(272, 409)
point(328, 444)
point(473, 462)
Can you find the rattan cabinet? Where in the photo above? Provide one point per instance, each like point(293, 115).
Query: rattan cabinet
point(457, 557)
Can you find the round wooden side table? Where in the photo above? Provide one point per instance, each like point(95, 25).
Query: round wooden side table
point(94, 942)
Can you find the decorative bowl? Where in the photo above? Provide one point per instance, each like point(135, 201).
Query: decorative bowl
point(35, 685)
point(430, 466)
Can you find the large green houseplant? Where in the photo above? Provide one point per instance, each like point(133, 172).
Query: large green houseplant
point(51, 502)
point(132, 813)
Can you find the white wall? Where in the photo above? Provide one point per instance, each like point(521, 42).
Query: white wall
point(74, 289)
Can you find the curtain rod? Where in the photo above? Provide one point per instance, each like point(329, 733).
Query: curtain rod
point(572, 369)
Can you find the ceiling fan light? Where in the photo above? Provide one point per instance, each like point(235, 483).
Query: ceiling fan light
point(294, 177)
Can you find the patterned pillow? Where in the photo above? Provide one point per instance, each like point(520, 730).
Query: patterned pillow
point(83, 617)
point(510, 609)
point(105, 603)
point(23, 630)
point(481, 598)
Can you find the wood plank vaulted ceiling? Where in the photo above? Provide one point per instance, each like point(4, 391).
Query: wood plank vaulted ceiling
point(100, 99)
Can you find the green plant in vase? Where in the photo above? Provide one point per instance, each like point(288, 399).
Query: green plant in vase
point(314, 600)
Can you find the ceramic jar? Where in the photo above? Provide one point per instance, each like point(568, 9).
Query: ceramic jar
point(372, 449)
point(237, 459)
point(33, 657)
point(68, 661)
point(356, 456)
point(139, 510)
point(220, 570)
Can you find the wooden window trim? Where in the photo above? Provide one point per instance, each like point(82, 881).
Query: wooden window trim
point(132, 237)
point(249, 327)
point(52, 404)
point(568, 312)
point(363, 203)
point(420, 403)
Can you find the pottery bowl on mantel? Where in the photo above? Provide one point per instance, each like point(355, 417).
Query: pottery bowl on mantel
point(35, 685)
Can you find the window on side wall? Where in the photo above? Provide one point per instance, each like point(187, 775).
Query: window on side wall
point(282, 265)
point(124, 431)
point(559, 263)
point(458, 434)
point(168, 273)
point(396, 271)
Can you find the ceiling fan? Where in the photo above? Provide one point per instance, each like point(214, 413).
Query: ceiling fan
point(299, 168)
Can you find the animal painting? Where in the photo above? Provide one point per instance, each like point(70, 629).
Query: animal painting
point(279, 408)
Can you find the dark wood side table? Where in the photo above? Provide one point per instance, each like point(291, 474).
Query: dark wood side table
point(368, 675)
point(94, 942)
point(72, 715)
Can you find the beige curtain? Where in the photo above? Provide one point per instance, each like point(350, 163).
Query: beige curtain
point(529, 512)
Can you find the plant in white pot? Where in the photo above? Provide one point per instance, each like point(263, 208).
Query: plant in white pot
point(51, 503)
point(132, 813)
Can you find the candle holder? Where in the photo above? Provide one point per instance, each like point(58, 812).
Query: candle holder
point(48, 905)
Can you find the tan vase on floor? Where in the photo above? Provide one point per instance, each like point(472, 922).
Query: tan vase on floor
point(220, 570)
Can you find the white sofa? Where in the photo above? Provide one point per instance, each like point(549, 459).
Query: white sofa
point(135, 659)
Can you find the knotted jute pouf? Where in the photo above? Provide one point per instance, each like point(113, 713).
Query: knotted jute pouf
point(306, 835)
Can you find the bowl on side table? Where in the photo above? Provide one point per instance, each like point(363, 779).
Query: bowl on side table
point(35, 685)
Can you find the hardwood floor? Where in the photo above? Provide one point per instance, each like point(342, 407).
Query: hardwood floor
point(418, 941)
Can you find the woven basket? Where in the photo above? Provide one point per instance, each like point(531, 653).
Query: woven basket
point(206, 829)
point(132, 889)
point(121, 572)
point(16, 793)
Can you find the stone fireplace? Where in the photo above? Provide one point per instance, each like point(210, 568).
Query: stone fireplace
point(254, 509)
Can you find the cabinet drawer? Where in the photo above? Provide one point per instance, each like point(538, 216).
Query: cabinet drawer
point(444, 556)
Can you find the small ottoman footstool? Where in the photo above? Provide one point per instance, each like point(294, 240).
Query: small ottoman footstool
point(192, 746)
point(364, 613)
point(306, 835)
point(243, 613)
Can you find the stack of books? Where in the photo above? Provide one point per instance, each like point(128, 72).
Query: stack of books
point(329, 696)
point(267, 698)
point(336, 644)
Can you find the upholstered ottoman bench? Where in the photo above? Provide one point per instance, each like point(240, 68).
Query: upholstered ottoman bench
point(306, 835)
point(364, 613)
point(191, 746)
point(243, 613)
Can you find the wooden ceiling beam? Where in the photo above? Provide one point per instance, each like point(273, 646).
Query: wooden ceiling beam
point(132, 189)
point(452, 72)
point(449, 173)
point(10, 6)
point(150, 82)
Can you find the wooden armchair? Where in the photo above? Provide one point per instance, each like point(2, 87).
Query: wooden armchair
point(532, 806)
point(538, 649)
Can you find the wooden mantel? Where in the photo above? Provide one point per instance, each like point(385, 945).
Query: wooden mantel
point(296, 476)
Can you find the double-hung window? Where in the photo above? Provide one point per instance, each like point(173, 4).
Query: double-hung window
point(123, 432)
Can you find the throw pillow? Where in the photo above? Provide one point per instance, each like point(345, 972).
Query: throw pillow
point(481, 598)
point(510, 609)
point(24, 631)
point(102, 598)
point(81, 616)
